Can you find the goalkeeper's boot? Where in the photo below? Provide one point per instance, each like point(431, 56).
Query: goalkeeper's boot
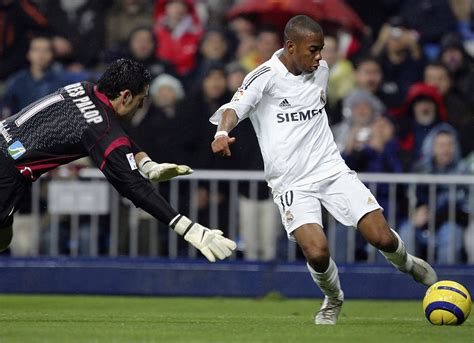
point(421, 271)
point(329, 310)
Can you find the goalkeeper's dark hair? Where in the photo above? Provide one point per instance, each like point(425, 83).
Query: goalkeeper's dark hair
point(296, 27)
point(123, 74)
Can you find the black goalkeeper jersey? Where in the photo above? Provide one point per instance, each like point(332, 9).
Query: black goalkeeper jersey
point(74, 122)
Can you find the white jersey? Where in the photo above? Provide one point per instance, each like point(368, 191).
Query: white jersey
point(287, 113)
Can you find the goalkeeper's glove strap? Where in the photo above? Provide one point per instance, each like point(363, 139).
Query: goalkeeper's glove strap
point(176, 220)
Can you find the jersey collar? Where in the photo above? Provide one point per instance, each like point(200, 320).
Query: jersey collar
point(102, 97)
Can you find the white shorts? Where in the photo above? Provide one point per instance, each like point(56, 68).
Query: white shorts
point(343, 195)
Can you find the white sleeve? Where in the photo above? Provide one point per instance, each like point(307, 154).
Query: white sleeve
point(247, 96)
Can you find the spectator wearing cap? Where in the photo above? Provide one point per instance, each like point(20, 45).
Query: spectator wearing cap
point(423, 109)
point(440, 156)
point(360, 108)
point(400, 57)
point(161, 115)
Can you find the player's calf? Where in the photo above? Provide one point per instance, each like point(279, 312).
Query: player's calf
point(6, 235)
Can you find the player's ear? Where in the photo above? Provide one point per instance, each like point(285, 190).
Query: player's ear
point(126, 96)
point(290, 46)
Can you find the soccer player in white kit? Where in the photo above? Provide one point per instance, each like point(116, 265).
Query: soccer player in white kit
point(284, 98)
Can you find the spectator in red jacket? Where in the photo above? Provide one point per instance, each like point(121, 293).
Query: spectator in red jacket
point(423, 109)
point(178, 31)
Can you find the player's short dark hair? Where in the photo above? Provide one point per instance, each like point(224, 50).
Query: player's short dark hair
point(297, 25)
point(123, 74)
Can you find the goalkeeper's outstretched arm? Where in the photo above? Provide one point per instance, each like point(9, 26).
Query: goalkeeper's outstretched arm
point(125, 177)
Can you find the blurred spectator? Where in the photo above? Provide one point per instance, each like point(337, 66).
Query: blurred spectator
point(459, 115)
point(440, 156)
point(235, 76)
point(464, 13)
point(243, 27)
point(460, 65)
point(400, 57)
point(431, 19)
point(150, 130)
point(369, 76)
point(214, 48)
point(360, 109)
point(79, 31)
point(341, 75)
point(178, 31)
point(19, 21)
point(39, 80)
point(267, 42)
point(205, 101)
point(423, 109)
point(123, 18)
point(141, 47)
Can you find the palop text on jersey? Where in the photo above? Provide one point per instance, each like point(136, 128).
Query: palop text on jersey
point(84, 104)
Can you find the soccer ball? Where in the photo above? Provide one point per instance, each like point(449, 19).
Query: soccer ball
point(447, 303)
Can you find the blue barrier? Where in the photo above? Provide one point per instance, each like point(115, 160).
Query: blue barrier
point(159, 277)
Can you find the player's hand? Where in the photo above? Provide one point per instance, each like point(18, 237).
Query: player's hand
point(162, 171)
point(211, 243)
point(221, 145)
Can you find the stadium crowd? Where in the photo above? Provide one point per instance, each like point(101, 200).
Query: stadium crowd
point(399, 97)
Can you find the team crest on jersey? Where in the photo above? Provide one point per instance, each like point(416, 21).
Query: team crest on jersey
point(289, 217)
point(16, 150)
point(238, 94)
point(131, 161)
point(323, 97)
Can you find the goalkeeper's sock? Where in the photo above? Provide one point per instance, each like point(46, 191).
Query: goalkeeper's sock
point(399, 258)
point(328, 281)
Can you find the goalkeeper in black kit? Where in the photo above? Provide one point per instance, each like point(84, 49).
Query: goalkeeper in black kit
point(83, 119)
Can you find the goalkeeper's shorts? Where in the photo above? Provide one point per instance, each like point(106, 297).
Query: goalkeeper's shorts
point(13, 186)
point(343, 195)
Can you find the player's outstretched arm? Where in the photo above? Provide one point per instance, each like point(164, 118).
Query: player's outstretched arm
point(211, 243)
point(160, 171)
point(221, 143)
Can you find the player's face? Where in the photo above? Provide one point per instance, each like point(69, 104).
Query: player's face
point(307, 52)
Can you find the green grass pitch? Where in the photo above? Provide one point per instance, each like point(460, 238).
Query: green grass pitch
point(26, 318)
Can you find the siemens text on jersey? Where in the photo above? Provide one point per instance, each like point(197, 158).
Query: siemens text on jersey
point(84, 104)
point(298, 116)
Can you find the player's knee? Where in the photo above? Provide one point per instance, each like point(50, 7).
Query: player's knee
point(385, 240)
point(6, 235)
point(317, 256)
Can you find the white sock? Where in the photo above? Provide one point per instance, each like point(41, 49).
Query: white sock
point(399, 258)
point(328, 281)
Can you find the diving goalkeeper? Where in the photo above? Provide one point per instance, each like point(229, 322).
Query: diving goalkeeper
point(85, 119)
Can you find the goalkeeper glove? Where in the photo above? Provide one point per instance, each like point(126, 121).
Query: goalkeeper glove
point(211, 243)
point(162, 171)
